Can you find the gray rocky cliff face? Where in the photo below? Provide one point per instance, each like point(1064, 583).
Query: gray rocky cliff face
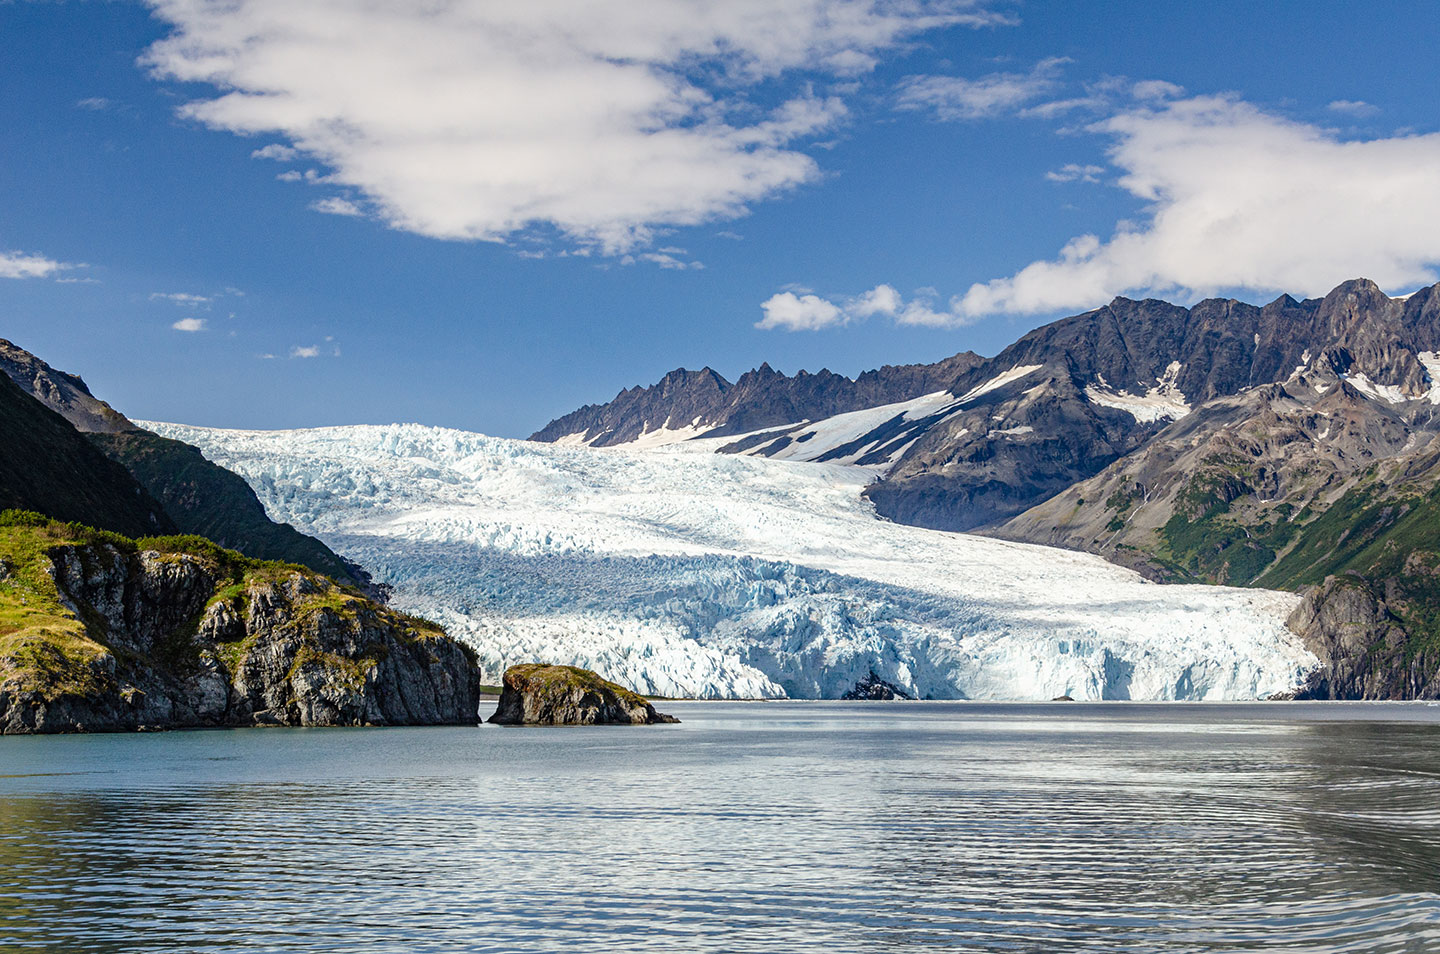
point(536, 694)
point(1364, 649)
point(184, 646)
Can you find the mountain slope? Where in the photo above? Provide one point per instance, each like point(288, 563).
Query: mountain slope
point(1322, 483)
point(47, 465)
point(197, 496)
point(681, 572)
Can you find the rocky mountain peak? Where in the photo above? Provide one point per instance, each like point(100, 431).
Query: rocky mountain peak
point(65, 394)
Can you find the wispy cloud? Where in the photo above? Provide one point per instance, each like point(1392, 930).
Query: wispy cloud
point(481, 120)
point(189, 324)
point(335, 205)
point(95, 103)
point(1074, 172)
point(277, 151)
point(183, 299)
point(1353, 107)
point(803, 310)
point(955, 98)
point(305, 351)
point(28, 265)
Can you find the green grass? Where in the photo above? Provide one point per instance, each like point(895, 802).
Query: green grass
point(46, 648)
point(549, 678)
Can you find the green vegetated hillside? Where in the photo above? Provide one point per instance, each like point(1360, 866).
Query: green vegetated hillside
point(46, 465)
point(206, 499)
point(99, 631)
point(1309, 486)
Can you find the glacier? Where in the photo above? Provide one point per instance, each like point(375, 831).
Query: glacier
point(683, 572)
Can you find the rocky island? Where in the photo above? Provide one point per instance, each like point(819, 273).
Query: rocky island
point(99, 632)
point(537, 694)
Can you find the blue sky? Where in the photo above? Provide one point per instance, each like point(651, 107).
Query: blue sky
point(500, 211)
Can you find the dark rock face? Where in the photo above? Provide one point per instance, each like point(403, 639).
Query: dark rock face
point(970, 471)
point(758, 399)
point(537, 694)
point(49, 467)
point(1364, 648)
point(170, 645)
point(873, 687)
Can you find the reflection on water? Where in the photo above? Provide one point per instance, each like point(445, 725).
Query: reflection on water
point(750, 827)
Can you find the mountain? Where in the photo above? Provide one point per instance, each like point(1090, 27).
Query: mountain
point(48, 466)
point(686, 403)
point(197, 496)
point(1290, 445)
point(101, 633)
point(678, 572)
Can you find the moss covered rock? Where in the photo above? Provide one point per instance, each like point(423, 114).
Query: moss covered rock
point(537, 694)
point(101, 633)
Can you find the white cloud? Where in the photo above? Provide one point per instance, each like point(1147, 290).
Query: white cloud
point(800, 313)
point(189, 324)
point(1073, 172)
point(1242, 199)
point(337, 206)
point(305, 351)
point(1353, 107)
point(277, 151)
point(25, 265)
point(805, 311)
point(96, 103)
point(952, 98)
point(184, 299)
point(465, 119)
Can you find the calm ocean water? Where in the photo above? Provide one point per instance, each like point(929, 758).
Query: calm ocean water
point(750, 827)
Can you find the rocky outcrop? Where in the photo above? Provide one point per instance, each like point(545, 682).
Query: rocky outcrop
point(537, 694)
point(147, 638)
point(1365, 648)
point(873, 687)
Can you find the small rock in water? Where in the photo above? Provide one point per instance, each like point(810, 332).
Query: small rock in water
point(1062, 699)
point(537, 694)
point(873, 687)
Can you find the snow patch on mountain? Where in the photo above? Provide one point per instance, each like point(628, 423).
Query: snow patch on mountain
point(999, 381)
point(687, 573)
point(1389, 393)
point(1163, 402)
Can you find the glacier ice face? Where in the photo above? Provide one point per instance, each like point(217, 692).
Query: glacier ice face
point(683, 572)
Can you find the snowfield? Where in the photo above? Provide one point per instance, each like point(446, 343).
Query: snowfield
point(682, 572)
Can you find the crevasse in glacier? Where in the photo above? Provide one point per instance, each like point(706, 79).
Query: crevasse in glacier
point(687, 573)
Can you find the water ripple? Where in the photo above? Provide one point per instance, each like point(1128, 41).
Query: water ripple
point(818, 827)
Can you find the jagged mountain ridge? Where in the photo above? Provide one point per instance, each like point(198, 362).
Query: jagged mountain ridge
point(1057, 407)
point(703, 401)
point(193, 494)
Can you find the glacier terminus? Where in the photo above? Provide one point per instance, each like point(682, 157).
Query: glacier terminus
point(681, 572)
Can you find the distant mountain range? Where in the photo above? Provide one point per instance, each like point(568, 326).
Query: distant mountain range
point(1290, 445)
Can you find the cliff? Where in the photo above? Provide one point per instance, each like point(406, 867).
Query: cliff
point(99, 632)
